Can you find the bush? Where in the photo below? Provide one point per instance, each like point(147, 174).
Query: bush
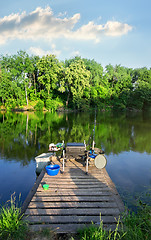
point(31, 95)
point(10, 104)
point(39, 106)
point(53, 104)
point(11, 224)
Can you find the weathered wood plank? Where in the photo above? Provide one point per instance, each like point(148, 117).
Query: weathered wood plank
point(73, 198)
point(70, 219)
point(75, 180)
point(74, 172)
point(73, 193)
point(89, 182)
point(73, 211)
point(72, 205)
point(79, 172)
point(75, 186)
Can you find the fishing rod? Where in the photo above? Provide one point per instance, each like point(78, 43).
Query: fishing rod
point(93, 133)
point(93, 142)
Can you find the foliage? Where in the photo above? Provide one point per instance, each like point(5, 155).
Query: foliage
point(100, 233)
point(49, 69)
point(53, 104)
point(39, 106)
point(77, 80)
point(136, 226)
point(11, 224)
point(78, 83)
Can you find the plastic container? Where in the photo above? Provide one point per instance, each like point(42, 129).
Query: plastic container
point(92, 155)
point(45, 186)
point(52, 170)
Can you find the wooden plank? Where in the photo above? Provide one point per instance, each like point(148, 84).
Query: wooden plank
point(62, 191)
point(81, 170)
point(72, 205)
point(73, 198)
point(68, 186)
point(77, 172)
point(75, 180)
point(75, 186)
point(98, 186)
point(73, 211)
point(76, 193)
point(70, 219)
point(75, 176)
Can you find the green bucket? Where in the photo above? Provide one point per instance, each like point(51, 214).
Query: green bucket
point(45, 186)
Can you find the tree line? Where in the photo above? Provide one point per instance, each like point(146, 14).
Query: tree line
point(77, 83)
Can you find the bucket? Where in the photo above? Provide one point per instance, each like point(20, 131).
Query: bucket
point(45, 186)
point(52, 170)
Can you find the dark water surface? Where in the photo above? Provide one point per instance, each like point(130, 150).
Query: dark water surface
point(125, 138)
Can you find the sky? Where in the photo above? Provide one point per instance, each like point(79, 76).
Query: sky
point(108, 31)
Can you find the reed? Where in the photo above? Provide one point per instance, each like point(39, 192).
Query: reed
point(134, 226)
point(12, 226)
point(100, 233)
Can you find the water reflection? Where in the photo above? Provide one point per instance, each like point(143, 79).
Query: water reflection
point(26, 135)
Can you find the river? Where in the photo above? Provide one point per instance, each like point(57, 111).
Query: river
point(124, 136)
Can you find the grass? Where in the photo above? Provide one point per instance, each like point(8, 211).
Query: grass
point(134, 226)
point(11, 224)
point(100, 233)
point(138, 225)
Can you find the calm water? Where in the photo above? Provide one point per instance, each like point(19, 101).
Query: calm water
point(125, 138)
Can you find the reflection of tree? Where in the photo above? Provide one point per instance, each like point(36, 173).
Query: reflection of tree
point(25, 135)
point(123, 133)
point(21, 135)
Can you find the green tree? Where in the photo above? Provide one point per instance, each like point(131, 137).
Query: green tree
point(96, 70)
point(76, 82)
point(23, 66)
point(120, 81)
point(33, 73)
point(49, 69)
point(10, 93)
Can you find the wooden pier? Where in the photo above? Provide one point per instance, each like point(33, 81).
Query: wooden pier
point(73, 200)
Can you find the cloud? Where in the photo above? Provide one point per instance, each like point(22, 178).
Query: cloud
point(42, 24)
point(40, 52)
point(114, 28)
point(91, 31)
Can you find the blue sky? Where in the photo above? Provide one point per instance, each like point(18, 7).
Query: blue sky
point(108, 31)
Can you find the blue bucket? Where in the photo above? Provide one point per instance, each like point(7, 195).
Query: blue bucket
point(52, 170)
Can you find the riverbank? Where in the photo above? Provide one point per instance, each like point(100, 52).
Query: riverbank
point(31, 108)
